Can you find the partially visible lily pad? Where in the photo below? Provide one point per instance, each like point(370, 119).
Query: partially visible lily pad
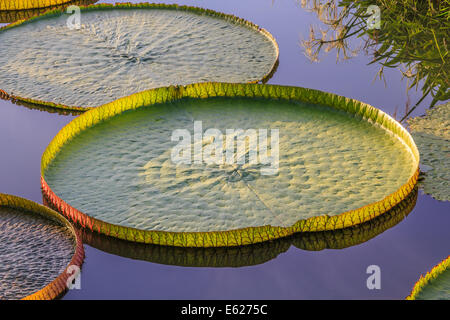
point(37, 245)
point(7, 16)
point(119, 50)
point(435, 285)
point(432, 136)
point(29, 4)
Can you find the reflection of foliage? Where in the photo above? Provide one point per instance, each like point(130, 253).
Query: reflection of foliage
point(412, 36)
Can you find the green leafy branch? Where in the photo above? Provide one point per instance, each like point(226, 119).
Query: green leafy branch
point(412, 38)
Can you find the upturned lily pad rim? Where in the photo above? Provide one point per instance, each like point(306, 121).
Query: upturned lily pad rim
point(27, 4)
point(242, 236)
point(105, 6)
point(429, 277)
point(59, 285)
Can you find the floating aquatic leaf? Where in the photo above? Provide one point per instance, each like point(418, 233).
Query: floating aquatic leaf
point(37, 245)
point(118, 50)
point(252, 254)
point(341, 163)
point(432, 135)
point(29, 4)
point(435, 285)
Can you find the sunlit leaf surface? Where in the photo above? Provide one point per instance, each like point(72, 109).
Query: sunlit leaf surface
point(123, 49)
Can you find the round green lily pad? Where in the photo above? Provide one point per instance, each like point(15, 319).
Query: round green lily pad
point(37, 246)
point(432, 135)
point(256, 253)
point(127, 48)
point(435, 285)
point(321, 162)
point(7, 16)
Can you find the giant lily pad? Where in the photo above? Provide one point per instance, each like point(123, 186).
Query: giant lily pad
point(126, 48)
point(435, 285)
point(256, 253)
point(37, 246)
point(340, 163)
point(7, 16)
point(29, 4)
point(432, 134)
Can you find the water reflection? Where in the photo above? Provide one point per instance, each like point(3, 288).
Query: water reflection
point(252, 254)
point(410, 37)
point(9, 16)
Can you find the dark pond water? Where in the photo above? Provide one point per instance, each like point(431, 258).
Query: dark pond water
point(403, 252)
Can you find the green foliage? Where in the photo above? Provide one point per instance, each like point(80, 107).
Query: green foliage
point(412, 37)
